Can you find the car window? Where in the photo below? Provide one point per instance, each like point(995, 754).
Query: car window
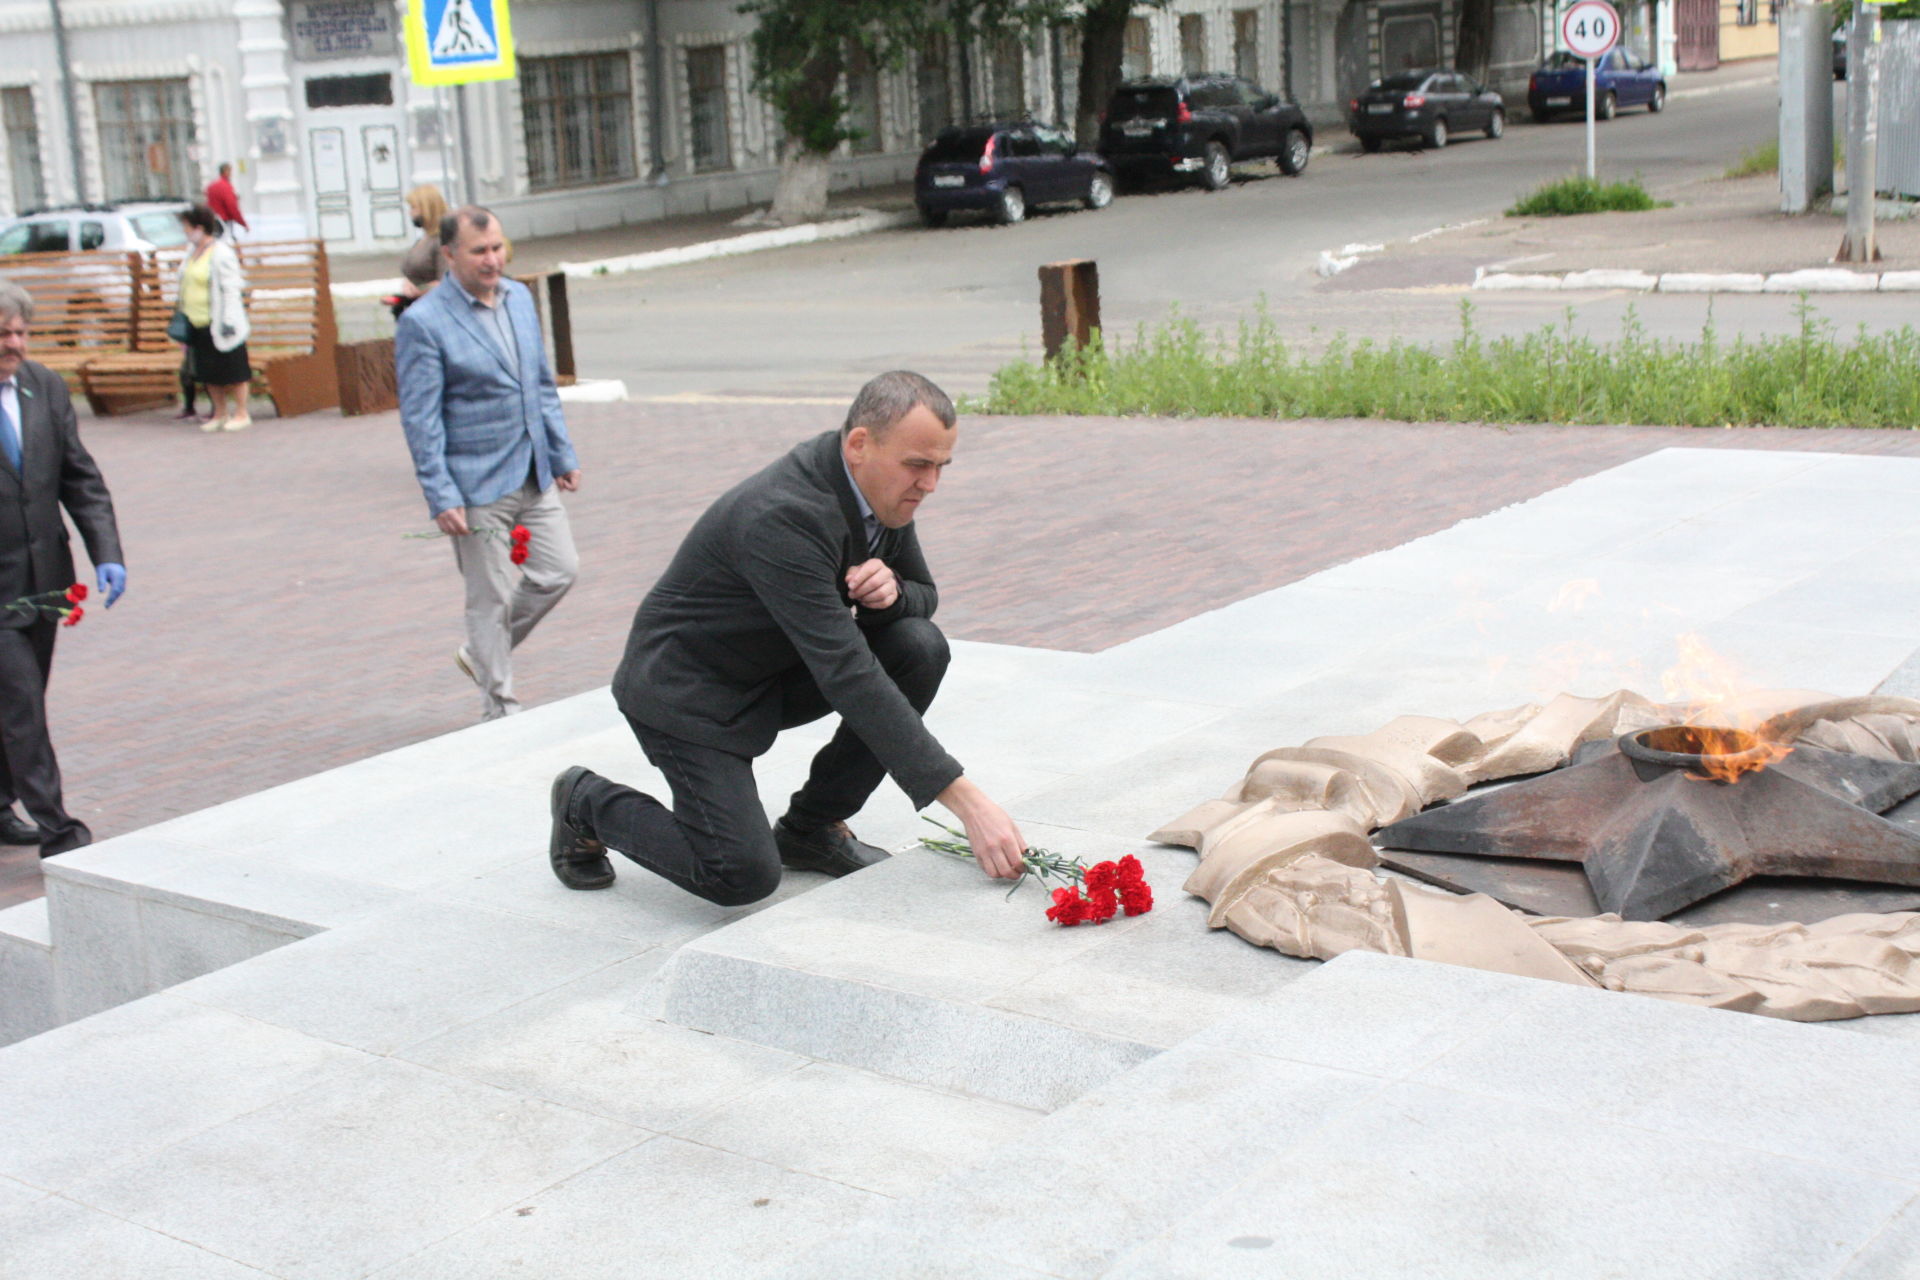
point(92, 234)
point(49, 237)
point(1564, 61)
point(163, 230)
point(1152, 101)
point(953, 146)
point(1404, 82)
point(1022, 144)
point(1056, 141)
point(14, 239)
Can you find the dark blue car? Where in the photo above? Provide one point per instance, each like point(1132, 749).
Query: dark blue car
point(1559, 87)
point(1003, 170)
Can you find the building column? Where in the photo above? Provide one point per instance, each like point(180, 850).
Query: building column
point(278, 206)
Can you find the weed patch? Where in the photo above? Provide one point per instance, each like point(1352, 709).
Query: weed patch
point(1176, 369)
point(1585, 195)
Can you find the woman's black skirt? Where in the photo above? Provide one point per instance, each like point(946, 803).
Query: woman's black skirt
point(213, 367)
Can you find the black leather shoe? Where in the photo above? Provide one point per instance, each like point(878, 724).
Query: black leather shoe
point(14, 831)
point(578, 859)
point(831, 849)
point(67, 843)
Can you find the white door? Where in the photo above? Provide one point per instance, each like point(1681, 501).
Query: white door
point(358, 179)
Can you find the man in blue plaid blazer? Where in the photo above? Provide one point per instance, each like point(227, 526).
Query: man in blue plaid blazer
point(482, 418)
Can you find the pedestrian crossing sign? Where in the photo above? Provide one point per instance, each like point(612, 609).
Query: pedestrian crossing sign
point(455, 41)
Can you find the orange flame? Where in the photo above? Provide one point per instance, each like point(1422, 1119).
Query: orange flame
point(1715, 725)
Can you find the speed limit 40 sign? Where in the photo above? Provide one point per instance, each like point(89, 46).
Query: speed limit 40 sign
point(1590, 28)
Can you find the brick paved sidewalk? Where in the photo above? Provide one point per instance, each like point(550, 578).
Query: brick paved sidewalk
point(279, 623)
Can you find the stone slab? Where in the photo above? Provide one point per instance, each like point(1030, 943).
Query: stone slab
point(1712, 282)
point(55, 1239)
point(26, 972)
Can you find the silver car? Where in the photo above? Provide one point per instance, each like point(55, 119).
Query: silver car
point(124, 227)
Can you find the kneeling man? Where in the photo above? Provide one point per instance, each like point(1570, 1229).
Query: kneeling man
point(800, 591)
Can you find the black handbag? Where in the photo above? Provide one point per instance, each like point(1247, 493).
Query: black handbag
point(178, 330)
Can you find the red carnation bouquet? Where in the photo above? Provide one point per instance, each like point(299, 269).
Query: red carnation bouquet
point(64, 605)
point(518, 539)
point(1090, 895)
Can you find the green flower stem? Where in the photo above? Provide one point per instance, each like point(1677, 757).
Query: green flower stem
point(1042, 864)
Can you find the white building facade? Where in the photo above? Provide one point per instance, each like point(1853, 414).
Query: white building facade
point(621, 111)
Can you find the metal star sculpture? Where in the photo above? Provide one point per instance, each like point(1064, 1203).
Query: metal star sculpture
point(1654, 834)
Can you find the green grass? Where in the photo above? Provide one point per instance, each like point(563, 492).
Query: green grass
point(1764, 158)
point(1585, 195)
point(1553, 375)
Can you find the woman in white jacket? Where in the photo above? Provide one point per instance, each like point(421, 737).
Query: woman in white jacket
point(210, 297)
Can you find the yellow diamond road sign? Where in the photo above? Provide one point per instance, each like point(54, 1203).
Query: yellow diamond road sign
point(455, 41)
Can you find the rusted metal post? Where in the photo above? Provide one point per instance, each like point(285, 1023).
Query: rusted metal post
point(562, 319)
point(1069, 303)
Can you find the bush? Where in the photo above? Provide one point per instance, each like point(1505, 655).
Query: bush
point(1553, 375)
point(1586, 195)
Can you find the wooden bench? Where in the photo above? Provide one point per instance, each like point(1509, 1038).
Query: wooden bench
point(83, 306)
point(289, 308)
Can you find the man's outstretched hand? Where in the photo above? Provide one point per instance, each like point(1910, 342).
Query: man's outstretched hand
point(112, 579)
point(873, 586)
point(453, 522)
point(997, 844)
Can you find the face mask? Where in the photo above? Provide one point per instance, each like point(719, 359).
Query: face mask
point(420, 223)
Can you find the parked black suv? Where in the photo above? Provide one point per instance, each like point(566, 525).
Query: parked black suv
point(1200, 125)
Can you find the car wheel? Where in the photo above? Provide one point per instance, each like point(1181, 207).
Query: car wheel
point(1658, 100)
point(1013, 207)
point(934, 217)
point(1369, 145)
point(1214, 173)
point(1609, 105)
point(1437, 134)
point(1496, 123)
point(1294, 152)
point(1099, 191)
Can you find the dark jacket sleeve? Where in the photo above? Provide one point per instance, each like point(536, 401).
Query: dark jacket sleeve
point(83, 491)
point(794, 570)
point(918, 596)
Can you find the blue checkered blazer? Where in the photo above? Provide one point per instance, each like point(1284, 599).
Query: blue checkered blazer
point(475, 428)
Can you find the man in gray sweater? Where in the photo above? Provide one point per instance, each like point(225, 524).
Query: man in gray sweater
point(801, 591)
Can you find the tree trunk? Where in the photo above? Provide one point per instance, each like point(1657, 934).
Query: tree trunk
point(1103, 41)
point(801, 195)
point(1473, 46)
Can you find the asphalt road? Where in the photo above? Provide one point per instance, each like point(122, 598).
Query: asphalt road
point(959, 301)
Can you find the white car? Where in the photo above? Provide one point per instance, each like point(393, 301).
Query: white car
point(123, 227)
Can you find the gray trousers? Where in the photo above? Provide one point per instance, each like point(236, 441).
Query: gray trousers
point(505, 601)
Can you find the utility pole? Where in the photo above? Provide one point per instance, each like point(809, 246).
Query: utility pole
point(73, 110)
point(1863, 129)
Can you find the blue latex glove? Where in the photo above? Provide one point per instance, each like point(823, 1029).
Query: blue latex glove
point(113, 580)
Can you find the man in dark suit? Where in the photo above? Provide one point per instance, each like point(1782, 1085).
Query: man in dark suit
point(43, 467)
point(801, 591)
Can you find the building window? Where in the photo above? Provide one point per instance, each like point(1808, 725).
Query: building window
point(1246, 44)
point(1408, 43)
point(1009, 77)
point(934, 86)
point(146, 127)
point(1193, 44)
point(707, 100)
point(1136, 56)
point(1748, 13)
point(863, 102)
point(372, 90)
point(23, 149)
point(578, 115)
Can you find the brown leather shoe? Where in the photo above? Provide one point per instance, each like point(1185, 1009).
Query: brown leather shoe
point(578, 860)
point(831, 849)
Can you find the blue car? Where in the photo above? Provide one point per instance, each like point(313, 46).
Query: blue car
point(1003, 170)
point(1559, 87)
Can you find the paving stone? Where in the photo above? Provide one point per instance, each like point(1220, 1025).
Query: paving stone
point(55, 1239)
point(26, 972)
point(1791, 656)
point(1894, 1254)
point(100, 958)
point(182, 945)
point(858, 1128)
point(15, 1194)
point(406, 974)
point(123, 1084)
point(582, 1046)
point(356, 1173)
point(667, 1210)
point(1424, 1181)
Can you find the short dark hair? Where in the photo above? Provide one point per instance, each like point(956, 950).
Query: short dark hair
point(471, 214)
point(226, 167)
point(202, 217)
point(892, 396)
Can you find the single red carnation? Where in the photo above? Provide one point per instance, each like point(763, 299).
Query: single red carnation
point(1131, 872)
point(77, 592)
point(1068, 907)
point(1102, 875)
point(1136, 898)
point(520, 533)
point(1101, 905)
point(518, 555)
point(73, 616)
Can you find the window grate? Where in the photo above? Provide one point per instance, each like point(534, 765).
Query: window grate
point(23, 149)
point(578, 115)
point(146, 128)
point(707, 103)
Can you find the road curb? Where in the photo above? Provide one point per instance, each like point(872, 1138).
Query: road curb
point(1810, 280)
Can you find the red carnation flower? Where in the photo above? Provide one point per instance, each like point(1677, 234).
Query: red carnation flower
point(1136, 898)
point(77, 592)
point(73, 616)
point(1102, 905)
point(520, 534)
point(1102, 875)
point(1068, 907)
point(1131, 872)
point(518, 555)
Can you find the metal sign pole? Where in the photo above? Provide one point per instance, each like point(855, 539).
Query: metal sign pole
point(466, 144)
point(1590, 172)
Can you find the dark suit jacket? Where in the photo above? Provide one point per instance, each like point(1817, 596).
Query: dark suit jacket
point(756, 592)
point(35, 555)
